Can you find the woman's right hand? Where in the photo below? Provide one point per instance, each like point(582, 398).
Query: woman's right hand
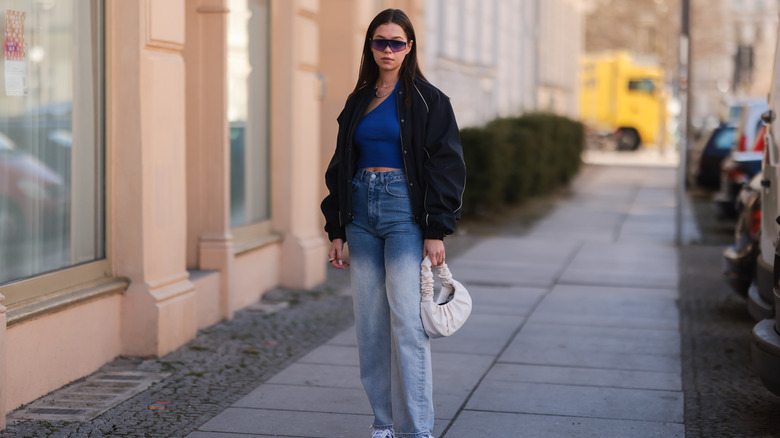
point(334, 256)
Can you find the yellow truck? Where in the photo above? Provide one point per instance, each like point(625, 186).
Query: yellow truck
point(623, 96)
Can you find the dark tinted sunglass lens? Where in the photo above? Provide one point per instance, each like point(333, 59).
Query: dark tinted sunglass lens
point(379, 44)
point(395, 46)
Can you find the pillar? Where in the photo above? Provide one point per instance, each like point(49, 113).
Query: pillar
point(295, 137)
point(147, 174)
point(210, 243)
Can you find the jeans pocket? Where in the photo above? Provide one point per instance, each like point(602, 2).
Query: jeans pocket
point(397, 189)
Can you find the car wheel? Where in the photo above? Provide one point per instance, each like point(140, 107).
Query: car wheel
point(629, 139)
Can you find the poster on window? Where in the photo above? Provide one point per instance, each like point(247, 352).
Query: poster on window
point(14, 54)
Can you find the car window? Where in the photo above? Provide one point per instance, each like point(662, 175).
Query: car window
point(735, 113)
point(724, 138)
point(642, 85)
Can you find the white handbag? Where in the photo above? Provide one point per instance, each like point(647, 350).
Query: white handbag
point(445, 313)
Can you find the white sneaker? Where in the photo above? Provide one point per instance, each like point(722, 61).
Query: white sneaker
point(382, 433)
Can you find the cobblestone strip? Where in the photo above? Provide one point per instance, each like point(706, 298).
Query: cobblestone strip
point(723, 395)
point(221, 365)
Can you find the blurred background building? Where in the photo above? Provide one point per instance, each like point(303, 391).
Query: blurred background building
point(731, 45)
point(501, 58)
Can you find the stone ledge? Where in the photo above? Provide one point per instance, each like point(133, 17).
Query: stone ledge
point(64, 299)
point(258, 243)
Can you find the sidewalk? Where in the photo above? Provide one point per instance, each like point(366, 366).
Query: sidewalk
point(574, 333)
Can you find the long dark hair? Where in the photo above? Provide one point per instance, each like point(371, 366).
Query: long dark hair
point(410, 70)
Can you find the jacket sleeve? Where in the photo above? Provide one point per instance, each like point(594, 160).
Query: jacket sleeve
point(444, 170)
point(330, 205)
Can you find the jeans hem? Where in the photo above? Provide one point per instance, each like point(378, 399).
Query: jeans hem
point(387, 426)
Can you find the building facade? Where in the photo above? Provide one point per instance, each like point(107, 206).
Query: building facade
point(502, 58)
point(484, 53)
point(161, 162)
point(561, 42)
point(731, 45)
point(732, 53)
point(148, 195)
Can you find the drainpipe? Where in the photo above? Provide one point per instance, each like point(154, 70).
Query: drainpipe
point(684, 116)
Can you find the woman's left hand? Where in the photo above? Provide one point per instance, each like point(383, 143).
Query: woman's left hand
point(434, 248)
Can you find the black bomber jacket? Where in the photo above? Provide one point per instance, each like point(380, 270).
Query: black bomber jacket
point(432, 154)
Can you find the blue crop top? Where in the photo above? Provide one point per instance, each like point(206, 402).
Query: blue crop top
point(378, 136)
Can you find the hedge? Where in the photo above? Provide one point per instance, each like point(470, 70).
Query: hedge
point(512, 159)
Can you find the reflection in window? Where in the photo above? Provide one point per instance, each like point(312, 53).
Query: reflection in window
point(248, 104)
point(642, 85)
point(51, 151)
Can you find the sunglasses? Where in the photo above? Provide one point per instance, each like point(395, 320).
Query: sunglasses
point(395, 45)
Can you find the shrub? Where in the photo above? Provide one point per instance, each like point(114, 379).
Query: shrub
point(513, 159)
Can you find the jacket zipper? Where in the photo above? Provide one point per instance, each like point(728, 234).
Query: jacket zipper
point(348, 156)
point(403, 149)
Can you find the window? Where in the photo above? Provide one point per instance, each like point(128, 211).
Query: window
point(51, 137)
point(642, 85)
point(248, 108)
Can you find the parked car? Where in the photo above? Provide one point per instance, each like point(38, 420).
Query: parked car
point(739, 259)
point(765, 346)
point(749, 123)
point(737, 170)
point(709, 157)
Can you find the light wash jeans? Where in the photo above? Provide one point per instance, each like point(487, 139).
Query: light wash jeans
point(385, 248)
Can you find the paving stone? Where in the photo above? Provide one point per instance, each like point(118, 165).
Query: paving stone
point(288, 423)
point(346, 338)
point(615, 307)
point(307, 398)
point(472, 424)
point(578, 401)
point(335, 376)
point(291, 423)
point(514, 249)
point(230, 435)
point(508, 273)
point(482, 334)
point(332, 355)
point(536, 336)
point(454, 378)
point(507, 372)
point(497, 300)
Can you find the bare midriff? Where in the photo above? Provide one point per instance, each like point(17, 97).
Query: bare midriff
point(380, 169)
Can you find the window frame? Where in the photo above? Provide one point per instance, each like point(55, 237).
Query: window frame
point(48, 291)
point(253, 235)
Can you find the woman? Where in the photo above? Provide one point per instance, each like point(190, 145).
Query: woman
point(395, 181)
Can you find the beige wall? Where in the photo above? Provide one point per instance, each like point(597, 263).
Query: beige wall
point(46, 353)
point(3, 366)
